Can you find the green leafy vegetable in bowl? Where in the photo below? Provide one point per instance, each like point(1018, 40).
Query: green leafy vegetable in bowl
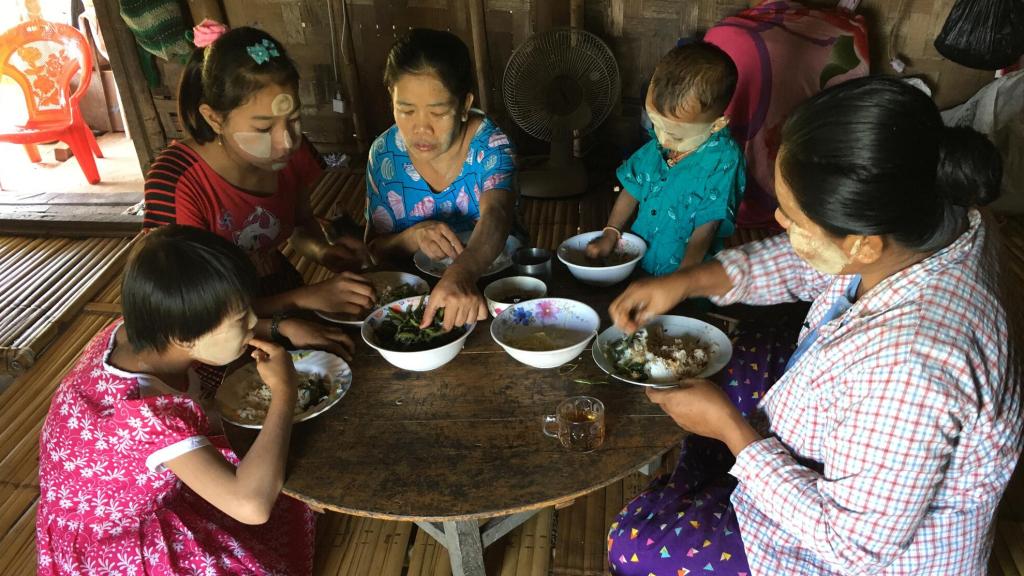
point(401, 330)
point(629, 355)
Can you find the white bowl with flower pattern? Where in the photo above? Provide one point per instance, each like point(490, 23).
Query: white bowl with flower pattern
point(572, 253)
point(545, 332)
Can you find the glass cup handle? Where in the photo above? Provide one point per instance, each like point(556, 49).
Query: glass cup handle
point(548, 421)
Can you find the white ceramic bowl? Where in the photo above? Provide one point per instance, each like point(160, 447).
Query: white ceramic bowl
point(418, 361)
point(571, 253)
point(497, 293)
point(567, 324)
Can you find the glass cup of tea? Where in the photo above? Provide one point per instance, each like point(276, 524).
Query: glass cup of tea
point(578, 423)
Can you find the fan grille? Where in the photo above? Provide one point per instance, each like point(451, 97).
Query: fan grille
point(562, 77)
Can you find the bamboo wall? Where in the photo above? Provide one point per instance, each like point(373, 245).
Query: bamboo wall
point(638, 32)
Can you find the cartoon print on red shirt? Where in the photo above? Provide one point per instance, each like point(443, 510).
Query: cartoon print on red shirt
point(260, 230)
point(226, 221)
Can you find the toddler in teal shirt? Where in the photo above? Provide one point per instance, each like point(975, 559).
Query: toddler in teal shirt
point(685, 185)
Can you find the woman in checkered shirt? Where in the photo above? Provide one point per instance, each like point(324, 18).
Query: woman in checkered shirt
point(896, 425)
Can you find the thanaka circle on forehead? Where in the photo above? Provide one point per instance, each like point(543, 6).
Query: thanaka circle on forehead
point(282, 105)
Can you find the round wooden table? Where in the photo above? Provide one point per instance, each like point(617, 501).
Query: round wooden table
point(462, 443)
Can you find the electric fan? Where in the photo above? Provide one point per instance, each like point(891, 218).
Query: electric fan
point(559, 85)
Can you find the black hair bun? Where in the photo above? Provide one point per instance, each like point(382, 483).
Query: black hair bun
point(970, 170)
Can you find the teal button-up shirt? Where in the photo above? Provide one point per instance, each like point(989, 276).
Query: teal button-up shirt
point(703, 187)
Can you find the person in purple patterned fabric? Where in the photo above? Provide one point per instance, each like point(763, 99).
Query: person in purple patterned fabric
point(891, 432)
point(442, 171)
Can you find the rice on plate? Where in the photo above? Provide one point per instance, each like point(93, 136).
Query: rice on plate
point(243, 398)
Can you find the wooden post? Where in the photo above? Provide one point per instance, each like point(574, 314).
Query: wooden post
point(576, 14)
point(615, 16)
point(143, 122)
point(462, 539)
point(203, 9)
point(350, 74)
point(477, 27)
point(495, 528)
point(576, 21)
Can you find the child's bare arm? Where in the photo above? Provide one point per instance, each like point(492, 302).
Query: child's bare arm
point(622, 211)
point(700, 242)
point(248, 493)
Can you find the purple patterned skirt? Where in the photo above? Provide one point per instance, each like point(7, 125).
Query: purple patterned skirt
point(683, 523)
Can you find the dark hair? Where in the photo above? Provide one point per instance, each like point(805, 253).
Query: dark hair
point(224, 75)
point(180, 283)
point(423, 50)
point(696, 69)
point(871, 157)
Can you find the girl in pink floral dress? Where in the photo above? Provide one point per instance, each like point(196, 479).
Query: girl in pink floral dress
point(134, 477)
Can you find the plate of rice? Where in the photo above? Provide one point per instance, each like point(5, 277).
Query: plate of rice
point(390, 287)
point(437, 268)
point(665, 351)
point(243, 398)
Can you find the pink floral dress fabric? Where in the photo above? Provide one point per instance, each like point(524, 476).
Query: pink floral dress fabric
point(109, 506)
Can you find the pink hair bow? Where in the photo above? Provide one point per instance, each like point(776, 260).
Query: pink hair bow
point(206, 32)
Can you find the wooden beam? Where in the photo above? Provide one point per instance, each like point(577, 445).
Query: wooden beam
point(123, 199)
point(72, 224)
point(479, 31)
point(435, 529)
point(143, 122)
point(615, 16)
point(576, 14)
point(495, 528)
point(350, 72)
point(202, 9)
point(462, 539)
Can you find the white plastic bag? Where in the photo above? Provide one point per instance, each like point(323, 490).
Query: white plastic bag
point(997, 111)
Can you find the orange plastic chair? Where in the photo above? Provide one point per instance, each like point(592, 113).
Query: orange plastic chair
point(43, 58)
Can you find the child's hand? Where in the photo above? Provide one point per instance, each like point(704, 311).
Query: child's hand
point(346, 293)
point(306, 334)
point(345, 253)
point(601, 246)
point(274, 364)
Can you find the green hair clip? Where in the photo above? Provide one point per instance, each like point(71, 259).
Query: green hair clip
point(263, 51)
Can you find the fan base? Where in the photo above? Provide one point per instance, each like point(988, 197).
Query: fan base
point(549, 181)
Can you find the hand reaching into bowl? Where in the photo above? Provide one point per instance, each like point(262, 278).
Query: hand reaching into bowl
point(458, 295)
point(602, 246)
point(645, 299)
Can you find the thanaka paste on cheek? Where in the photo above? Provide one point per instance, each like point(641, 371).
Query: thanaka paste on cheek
point(255, 144)
point(822, 255)
point(219, 348)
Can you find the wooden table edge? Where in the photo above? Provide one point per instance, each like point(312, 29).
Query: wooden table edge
point(320, 506)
